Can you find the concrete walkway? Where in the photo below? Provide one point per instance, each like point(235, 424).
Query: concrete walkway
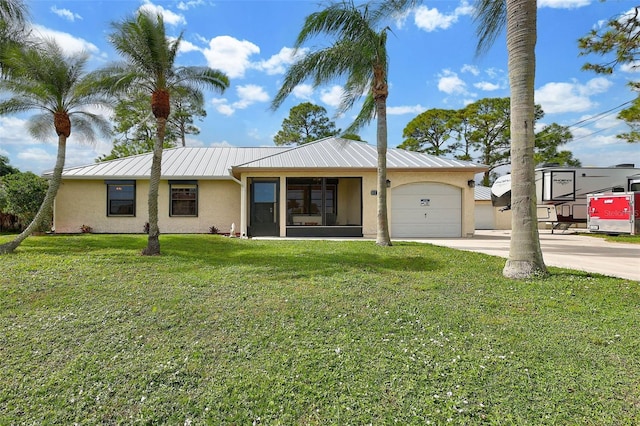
point(571, 251)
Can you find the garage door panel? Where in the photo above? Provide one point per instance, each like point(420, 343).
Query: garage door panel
point(426, 209)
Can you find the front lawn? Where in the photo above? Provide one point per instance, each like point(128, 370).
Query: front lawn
point(242, 332)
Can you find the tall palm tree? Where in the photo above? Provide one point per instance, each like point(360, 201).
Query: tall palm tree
point(44, 79)
point(358, 53)
point(149, 65)
point(525, 256)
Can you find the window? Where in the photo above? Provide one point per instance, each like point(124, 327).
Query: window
point(311, 201)
point(121, 198)
point(184, 198)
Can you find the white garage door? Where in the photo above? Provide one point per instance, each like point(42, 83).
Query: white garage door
point(426, 209)
point(484, 216)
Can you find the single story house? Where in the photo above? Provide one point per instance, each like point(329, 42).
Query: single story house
point(325, 188)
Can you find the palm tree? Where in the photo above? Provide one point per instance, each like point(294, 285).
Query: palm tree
point(150, 66)
point(525, 256)
point(42, 78)
point(358, 53)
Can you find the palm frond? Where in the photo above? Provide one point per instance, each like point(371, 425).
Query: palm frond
point(490, 17)
point(364, 117)
point(40, 126)
point(200, 77)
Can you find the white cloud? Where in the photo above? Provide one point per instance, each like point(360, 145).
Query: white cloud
point(230, 55)
point(596, 85)
point(470, 69)
point(223, 144)
point(186, 5)
point(631, 67)
point(168, 16)
point(13, 131)
point(570, 97)
point(65, 14)
point(303, 91)
point(249, 95)
point(37, 155)
point(277, 63)
point(332, 96)
point(486, 86)
point(450, 83)
point(563, 4)
point(432, 19)
point(187, 46)
point(408, 109)
point(69, 43)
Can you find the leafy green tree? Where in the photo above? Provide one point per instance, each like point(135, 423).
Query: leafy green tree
point(359, 54)
point(520, 16)
point(5, 167)
point(351, 136)
point(548, 142)
point(23, 195)
point(619, 39)
point(489, 121)
point(306, 123)
point(185, 106)
point(432, 132)
point(45, 79)
point(150, 66)
point(135, 128)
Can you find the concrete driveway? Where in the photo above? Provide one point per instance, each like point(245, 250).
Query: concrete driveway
point(571, 251)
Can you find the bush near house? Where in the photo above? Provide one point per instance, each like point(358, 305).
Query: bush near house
point(234, 331)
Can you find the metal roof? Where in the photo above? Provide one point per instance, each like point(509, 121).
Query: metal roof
point(344, 153)
point(211, 163)
point(482, 193)
point(216, 163)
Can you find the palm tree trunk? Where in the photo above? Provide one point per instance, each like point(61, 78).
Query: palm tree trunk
point(525, 256)
point(382, 236)
point(46, 208)
point(153, 241)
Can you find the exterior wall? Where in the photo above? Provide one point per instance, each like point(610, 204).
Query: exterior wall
point(457, 179)
point(84, 202)
point(503, 219)
point(369, 201)
point(220, 203)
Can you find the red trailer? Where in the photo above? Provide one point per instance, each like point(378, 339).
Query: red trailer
point(614, 213)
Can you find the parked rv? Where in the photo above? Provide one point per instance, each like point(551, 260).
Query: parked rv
point(565, 189)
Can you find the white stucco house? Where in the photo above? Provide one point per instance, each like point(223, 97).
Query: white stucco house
point(324, 188)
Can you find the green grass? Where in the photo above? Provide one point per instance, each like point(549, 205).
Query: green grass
point(242, 332)
point(622, 238)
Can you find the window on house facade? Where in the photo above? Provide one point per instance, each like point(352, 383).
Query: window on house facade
point(311, 201)
point(184, 198)
point(121, 198)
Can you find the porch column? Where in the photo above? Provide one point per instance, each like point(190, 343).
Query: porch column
point(243, 206)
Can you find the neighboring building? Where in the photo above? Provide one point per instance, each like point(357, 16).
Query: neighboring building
point(324, 188)
point(487, 216)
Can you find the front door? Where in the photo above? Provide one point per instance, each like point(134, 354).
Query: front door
point(264, 209)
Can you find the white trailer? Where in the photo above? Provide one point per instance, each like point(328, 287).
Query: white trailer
point(565, 189)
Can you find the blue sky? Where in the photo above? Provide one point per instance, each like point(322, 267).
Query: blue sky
point(432, 57)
